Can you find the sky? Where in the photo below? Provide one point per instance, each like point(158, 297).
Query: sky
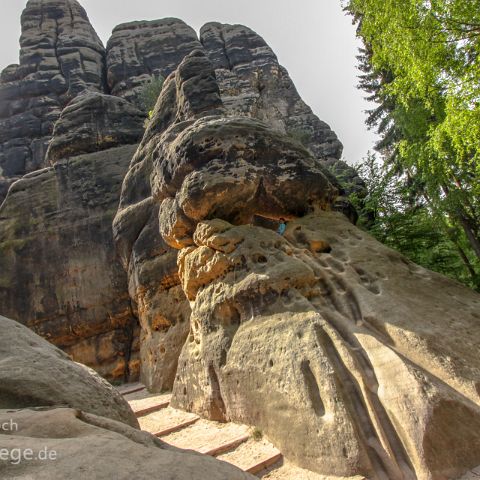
point(313, 39)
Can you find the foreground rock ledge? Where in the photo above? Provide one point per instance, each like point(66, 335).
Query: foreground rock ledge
point(88, 446)
point(93, 439)
point(34, 373)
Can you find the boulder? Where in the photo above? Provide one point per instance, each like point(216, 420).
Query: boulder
point(60, 56)
point(59, 273)
point(350, 358)
point(34, 373)
point(60, 420)
point(92, 122)
point(68, 443)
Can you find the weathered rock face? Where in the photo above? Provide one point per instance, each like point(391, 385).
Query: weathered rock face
point(253, 83)
point(243, 168)
point(352, 359)
point(92, 122)
point(57, 97)
point(59, 273)
point(34, 373)
point(137, 51)
point(89, 446)
point(60, 56)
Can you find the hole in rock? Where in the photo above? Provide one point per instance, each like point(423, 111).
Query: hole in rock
point(261, 259)
point(312, 388)
point(217, 405)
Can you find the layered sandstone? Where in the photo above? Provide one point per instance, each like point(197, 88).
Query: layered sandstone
point(353, 360)
point(70, 97)
point(138, 51)
point(253, 83)
point(36, 374)
point(59, 273)
point(93, 122)
point(60, 56)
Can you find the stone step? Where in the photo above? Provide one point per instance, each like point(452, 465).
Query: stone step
point(143, 403)
point(166, 421)
point(209, 438)
point(230, 442)
point(253, 456)
point(127, 388)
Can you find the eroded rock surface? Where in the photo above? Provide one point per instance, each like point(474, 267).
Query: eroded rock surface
point(60, 56)
point(72, 421)
point(92, 122)
point(59, 273)
point(34, 373)
point(137, 51)
point(72, 96)
point(195, 162)
point(353, 360)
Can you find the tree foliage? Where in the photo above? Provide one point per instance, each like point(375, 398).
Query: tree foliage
point(421, 64)
point(149, 93)
point(393, 213)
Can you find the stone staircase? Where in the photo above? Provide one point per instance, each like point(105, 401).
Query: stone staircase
point(237, 444)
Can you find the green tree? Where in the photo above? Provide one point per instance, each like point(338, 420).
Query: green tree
point(405, 222)
point(421, 64)
point(149, 93)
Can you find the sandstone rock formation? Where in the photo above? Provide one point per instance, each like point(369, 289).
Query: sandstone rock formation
point(59, 96)
point(280, 185)
point(137, 51)
point(92, 122)
point(253, 83)
point(353, 360)
point(34, 373)
point(60, 56)
point(59, 273)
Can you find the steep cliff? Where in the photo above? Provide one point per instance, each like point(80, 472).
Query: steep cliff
point(253, 83)
point(136, 51)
